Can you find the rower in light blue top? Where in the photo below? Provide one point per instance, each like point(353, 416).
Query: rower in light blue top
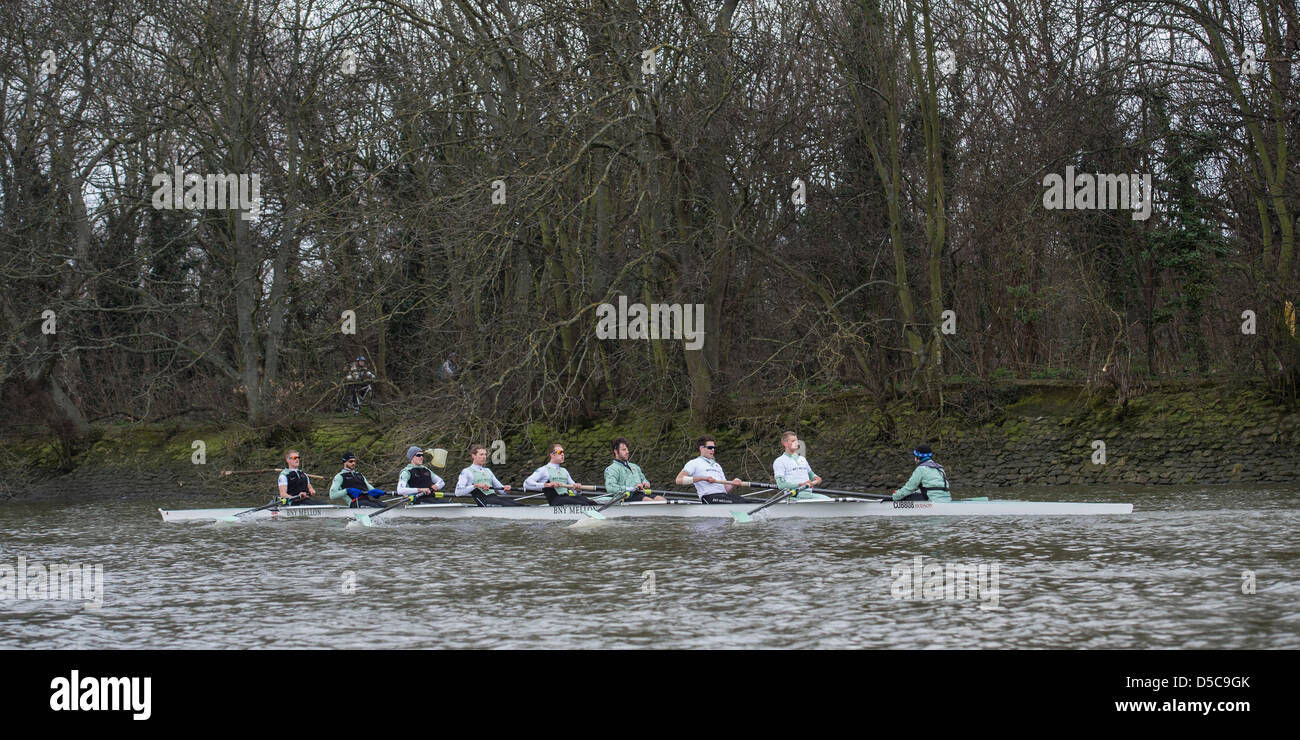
point(792, 470)
point(929, 482)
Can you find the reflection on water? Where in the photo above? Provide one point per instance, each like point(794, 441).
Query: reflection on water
point(1170, 575)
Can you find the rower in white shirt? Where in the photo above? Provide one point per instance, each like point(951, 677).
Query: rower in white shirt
point(793, 471)
point(710, 482)
point(477, 481)
point(556, 483)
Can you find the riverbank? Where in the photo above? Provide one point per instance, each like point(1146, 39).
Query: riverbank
point(1044, 433)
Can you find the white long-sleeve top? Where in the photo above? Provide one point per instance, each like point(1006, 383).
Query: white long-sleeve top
point(546, 474)
point(475, 474)
point(792, 470)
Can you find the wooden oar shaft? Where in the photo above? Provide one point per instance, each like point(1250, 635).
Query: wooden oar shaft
point(275, 502)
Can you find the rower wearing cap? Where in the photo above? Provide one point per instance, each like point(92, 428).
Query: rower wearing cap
point(710, 482)
point(294, 481)
point(624, 477)
point(929, 482)
point(793, 471)
point(552, 478)
point(417, 481)
point(477, 481)
point(349, 484)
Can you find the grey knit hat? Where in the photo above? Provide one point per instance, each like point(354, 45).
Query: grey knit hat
point(411, 452)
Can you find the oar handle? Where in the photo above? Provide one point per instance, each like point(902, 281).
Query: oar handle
point(277, 502)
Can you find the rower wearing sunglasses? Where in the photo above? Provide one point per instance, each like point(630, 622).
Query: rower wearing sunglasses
point(351, 486)
point(293, 481)
point(710, 482)
point(553, 480)
point(416, 481)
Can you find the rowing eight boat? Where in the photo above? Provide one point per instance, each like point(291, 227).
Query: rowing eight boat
point(816, 509)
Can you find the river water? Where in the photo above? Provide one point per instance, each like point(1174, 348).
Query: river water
point(1174, 574)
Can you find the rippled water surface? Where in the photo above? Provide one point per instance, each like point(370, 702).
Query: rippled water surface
point(1168, 576)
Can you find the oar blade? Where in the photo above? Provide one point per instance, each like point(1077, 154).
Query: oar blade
point(741, 517)
point(590, 518)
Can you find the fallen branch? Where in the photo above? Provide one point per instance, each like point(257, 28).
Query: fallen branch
point(268, 470)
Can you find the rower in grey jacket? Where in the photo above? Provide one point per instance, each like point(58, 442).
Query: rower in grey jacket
point(929, 482)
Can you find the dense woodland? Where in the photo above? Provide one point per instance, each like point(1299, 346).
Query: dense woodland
point(478, 176)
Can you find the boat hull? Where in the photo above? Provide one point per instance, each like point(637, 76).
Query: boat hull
point(815, 509)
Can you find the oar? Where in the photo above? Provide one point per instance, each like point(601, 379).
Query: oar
point(614, 499)
point(235, 517)
point(690, 495)
point(617, 496)
point(365, 519)
point(747, 516)
point(576, 487)
point(679, 494)
point(830, 491)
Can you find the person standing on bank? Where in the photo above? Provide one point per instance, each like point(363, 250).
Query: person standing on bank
point(294, 481)
point(553, 480)
point(447, 371)
point(416, 481)
point(349, 484)
point(929, 482)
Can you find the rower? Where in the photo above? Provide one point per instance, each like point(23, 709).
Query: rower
point(294, 481)
point(793, 471)
point(349, 484)
point(477, 480)
point(624, 477)
point(416, 481)
point(929, 482)
point(552, 478)
point(710, 482)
